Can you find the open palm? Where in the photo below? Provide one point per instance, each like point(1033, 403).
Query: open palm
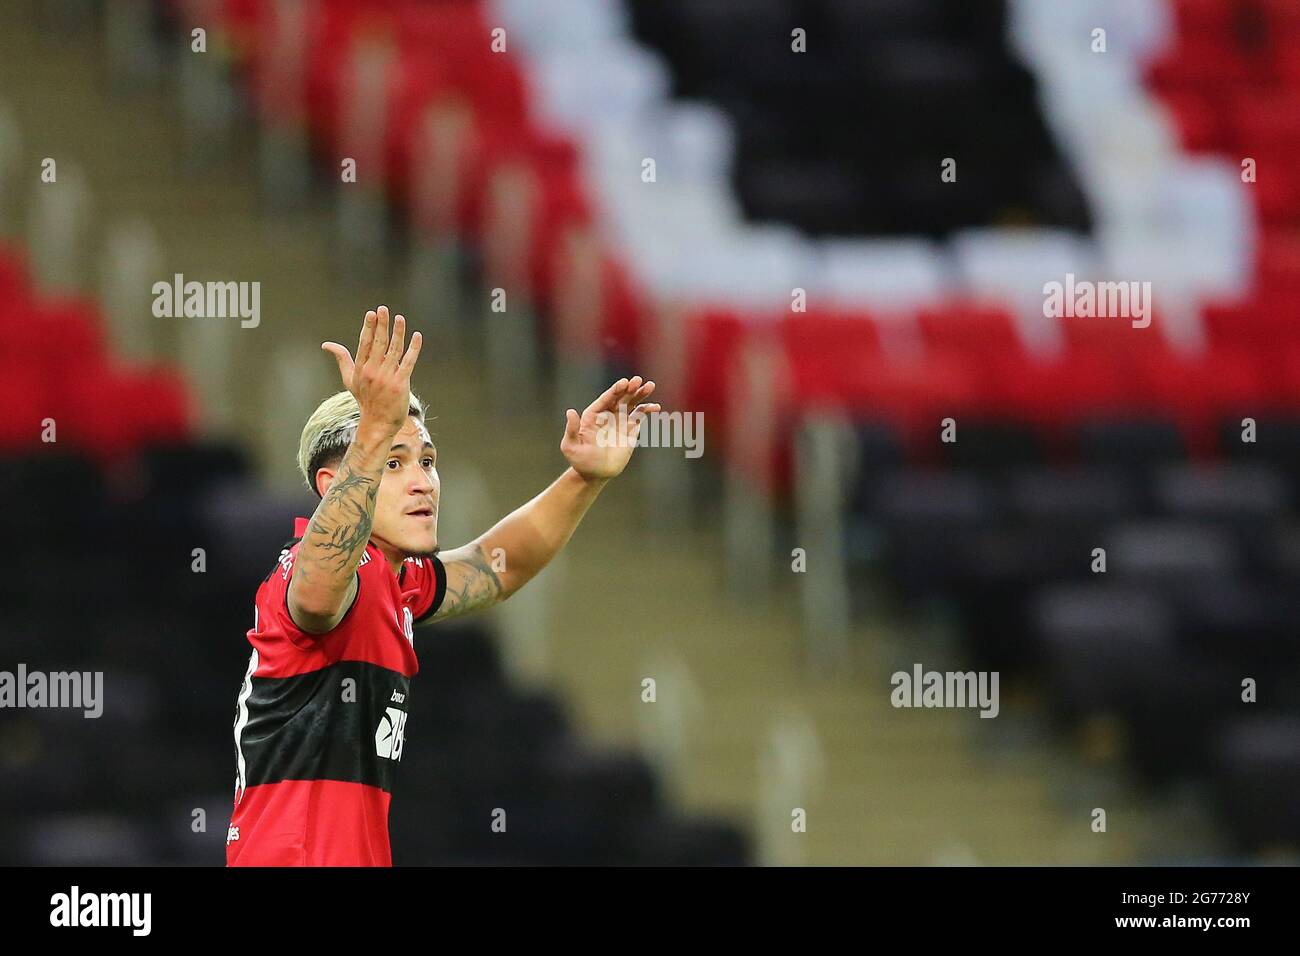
point(599, 442)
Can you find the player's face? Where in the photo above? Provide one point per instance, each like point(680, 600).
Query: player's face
point(406, 511)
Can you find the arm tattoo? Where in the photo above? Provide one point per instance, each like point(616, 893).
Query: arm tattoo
point(471, 583)
point(341, 526)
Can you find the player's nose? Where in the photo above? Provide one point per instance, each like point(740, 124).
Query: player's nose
point(422, 485)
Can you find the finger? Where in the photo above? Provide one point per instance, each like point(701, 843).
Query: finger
point(412, 353)
point(639, 413)
point(367, 337)
point(633, 384)
point(343, 358)
point(572, 422)
point(379, 347)
point(640, 395)
point(397, 341)
point(608, 398)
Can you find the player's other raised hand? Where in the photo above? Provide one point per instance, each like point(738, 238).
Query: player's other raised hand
point(599, 442)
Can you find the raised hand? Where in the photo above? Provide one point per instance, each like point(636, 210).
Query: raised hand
point(599, 442)
point(380, 378)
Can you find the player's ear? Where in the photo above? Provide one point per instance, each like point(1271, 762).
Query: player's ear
point(324, 478)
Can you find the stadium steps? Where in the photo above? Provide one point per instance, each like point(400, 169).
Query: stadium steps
point(897, 786)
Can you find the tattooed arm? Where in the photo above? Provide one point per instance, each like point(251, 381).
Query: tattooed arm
point(499, 562)
point(324, 581)
point(597, 444)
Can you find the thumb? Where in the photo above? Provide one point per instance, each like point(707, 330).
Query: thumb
point(344, 358)
point(571, 425)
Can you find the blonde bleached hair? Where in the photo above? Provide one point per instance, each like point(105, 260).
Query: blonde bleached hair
point(330, 430)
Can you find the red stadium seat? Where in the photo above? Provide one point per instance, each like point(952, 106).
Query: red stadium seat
point(562, 201)
point(1283, 18)
point(1203, 17)
point(1201, 64)
point(24, 393)
point(112, 411)
point(819, 336)
point(1279, 264)
point(15, 287)
point(1057, 392)
point(418, 83)
point(973, 329)
point(623, 311)
point(1199, 120)
point(1259, 324)
point(1112, 336)
point(713, 337)
point(1266, 122)
point(53, 365)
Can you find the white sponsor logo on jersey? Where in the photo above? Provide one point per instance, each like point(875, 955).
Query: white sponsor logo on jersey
point(391, 733)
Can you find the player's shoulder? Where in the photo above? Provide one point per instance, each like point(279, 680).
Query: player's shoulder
point(288, 556)
point(282, 568)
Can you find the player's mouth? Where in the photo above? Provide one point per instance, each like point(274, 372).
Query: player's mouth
point(420, 513)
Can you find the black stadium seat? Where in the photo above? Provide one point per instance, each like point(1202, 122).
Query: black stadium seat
point(1251, 495)
point(1130, 442)
point(1170, 552)
point(993, 446)
point(1277, 441)
point(1081, 497)
point(1100, 643)
point(1257, 761)
point(921, 513)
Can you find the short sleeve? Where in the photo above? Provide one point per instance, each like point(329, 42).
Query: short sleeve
point(425, 586)
point(274, 602)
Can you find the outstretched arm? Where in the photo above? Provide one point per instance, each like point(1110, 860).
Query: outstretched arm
point(324, 581)
point(598, 444)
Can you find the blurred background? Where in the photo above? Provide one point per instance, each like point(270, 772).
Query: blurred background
point(825, 226)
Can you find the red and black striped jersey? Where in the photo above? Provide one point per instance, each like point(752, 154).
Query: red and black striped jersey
point(321, 719)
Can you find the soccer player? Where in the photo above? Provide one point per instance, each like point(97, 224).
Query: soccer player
point(321, 715)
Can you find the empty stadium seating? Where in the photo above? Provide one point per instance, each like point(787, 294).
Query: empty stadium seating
point(1072, 435)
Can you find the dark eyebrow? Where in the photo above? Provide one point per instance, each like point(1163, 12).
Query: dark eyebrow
point(405, 448)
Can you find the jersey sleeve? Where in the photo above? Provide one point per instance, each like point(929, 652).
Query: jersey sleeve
point(426, 577)
point(274, 602)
